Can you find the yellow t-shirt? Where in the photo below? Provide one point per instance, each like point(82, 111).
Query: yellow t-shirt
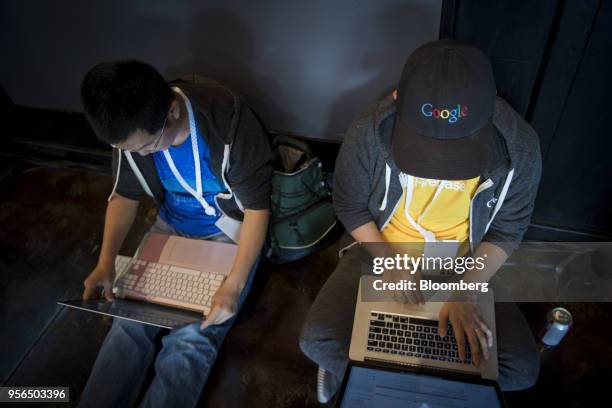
point(447, 216)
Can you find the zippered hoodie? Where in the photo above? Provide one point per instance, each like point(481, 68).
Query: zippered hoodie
point(367, 183)
point(240, 153)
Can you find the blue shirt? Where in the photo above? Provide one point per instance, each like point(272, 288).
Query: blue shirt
point(180, 209)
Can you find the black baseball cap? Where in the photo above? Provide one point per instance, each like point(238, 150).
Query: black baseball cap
point(445, 103)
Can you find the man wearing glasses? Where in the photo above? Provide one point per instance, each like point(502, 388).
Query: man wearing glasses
point(200, 152)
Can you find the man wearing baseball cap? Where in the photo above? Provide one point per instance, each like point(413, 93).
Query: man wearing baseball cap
point(440, 159)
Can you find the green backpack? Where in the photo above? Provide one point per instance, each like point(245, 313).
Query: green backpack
point(303, 220)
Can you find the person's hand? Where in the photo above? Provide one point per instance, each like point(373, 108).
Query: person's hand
point(224, 304)
point(407, 296)
point(102, 276)
point(467, 322)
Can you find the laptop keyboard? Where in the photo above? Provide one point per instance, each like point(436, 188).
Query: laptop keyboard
point(170, 285)
point(412, 337)
point(121, 264)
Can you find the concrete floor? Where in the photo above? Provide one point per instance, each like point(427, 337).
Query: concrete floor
point(52, 221)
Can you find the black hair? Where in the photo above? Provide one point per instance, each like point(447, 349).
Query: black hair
point(122, 97)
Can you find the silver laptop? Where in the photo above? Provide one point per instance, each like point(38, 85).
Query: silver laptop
point(169, 282)
point(407, 335)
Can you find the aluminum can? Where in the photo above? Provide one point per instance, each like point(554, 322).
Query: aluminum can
point(558, 322)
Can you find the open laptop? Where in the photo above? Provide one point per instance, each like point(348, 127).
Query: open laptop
point(395, 343)
point(379, 385)
point(169, 282)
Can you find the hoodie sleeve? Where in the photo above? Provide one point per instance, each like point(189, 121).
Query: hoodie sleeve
point(514, 216)
point(250, 169)
point(352, 181)
point(127, 185)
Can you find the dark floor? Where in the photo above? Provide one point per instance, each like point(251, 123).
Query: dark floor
point(52, 222)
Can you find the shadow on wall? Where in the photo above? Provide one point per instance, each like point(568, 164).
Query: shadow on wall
point(224, 48)
point(380, 59)
point(362, 63)
point(307, 67)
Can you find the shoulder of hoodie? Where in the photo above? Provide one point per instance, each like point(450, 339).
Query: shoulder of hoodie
point(522, 141)
point(219, 104)
point(364, 129)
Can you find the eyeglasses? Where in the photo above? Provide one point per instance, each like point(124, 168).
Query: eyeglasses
point(161, 135)
point(155, 145)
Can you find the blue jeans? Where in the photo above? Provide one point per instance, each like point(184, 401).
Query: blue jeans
point(182, 366)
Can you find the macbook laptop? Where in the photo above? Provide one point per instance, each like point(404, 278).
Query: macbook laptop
point(405, 337)
point(169, 282)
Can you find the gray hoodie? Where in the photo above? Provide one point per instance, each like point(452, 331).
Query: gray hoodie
point(367, 184)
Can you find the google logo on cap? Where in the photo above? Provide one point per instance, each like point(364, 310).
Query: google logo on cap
point(452, 115)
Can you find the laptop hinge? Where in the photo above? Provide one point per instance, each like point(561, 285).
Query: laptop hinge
point(395, 364)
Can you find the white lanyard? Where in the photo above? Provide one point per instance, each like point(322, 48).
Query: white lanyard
point(197, 193)
point(407, 181)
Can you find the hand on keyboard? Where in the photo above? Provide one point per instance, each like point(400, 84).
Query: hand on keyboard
point(224, 304)
point(467, 322)
point(102, 276)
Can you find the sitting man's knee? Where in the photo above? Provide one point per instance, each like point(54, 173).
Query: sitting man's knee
point(523, 374)
point(532, 372)
point(308, 339)
point(317, 338)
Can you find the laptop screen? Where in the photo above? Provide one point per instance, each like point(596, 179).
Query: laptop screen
point(374, 387)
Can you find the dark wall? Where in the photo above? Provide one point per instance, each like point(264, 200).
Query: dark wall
point(570, 114)
point(552, 62)
point(308, 67)
point(514, 34)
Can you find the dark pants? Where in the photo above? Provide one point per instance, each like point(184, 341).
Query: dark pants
point(326, 335)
